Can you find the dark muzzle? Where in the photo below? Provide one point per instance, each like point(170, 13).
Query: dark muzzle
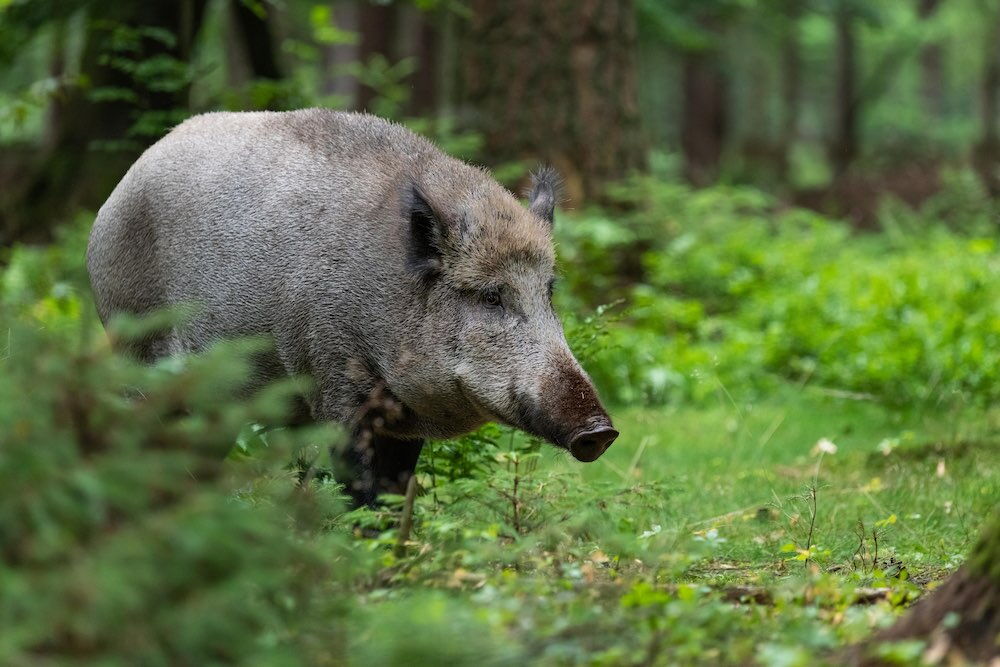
point(568, 413)
point(588, 445)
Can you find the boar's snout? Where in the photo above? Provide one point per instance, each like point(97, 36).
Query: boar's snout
point(568, 412)
point(588, 445)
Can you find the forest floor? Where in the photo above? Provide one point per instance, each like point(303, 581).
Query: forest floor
point(776, 531)
point(740, 468)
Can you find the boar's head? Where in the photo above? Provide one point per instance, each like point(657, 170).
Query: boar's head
point(485, 342)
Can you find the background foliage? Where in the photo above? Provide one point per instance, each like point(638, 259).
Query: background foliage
point(789, 300)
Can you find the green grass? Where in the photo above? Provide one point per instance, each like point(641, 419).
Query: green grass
point(639, 554)
point(726, 465)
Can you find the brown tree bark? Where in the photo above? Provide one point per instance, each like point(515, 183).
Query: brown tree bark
point(378, 25)
point(844, 145)
point(791, 87)
point(704, 119)
point(555, 82)
point(424, 94)
point(336, 57)
point(987, 152)
point(257, 40)
point(931, 65)
point(418, 40)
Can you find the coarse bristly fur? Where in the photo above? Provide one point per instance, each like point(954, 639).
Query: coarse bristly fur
point(370, 258)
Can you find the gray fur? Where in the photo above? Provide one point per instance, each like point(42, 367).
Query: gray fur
point(300, 226)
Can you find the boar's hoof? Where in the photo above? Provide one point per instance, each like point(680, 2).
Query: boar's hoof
point(589, 445)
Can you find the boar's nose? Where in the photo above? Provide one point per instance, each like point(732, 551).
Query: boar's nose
point(588, 445)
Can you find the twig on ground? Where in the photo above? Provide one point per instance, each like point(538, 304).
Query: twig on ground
point(812, 523)
point(406, 520)
point(843, 393)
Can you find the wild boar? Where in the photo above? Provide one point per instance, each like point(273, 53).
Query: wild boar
point(375, 262)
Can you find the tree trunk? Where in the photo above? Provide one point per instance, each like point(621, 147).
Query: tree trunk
point(703, 117)
point(844, 146)
point(258, 42)
point(791, 93)
point(57, 70)
point(960, 620)
point(336, 57)
point(378, 36)
point(931, 66)
point(556, 82)
point(67, 173)
point(450, 80)
point(987, 152)
point(424, 82)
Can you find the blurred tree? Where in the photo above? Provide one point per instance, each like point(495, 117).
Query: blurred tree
point(855, 94)
point(253, 24)
point(378, 23)
point(987, 152)
point(931, 64)
point(704, 117)
point(254, 68)
point(115, 103)
point(697, 31)
point(791, 77)
point(844, 142)
point(423, 44)
point(556, 81)
point(338, 53)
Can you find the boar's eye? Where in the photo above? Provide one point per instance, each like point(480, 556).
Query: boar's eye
point(491, 298)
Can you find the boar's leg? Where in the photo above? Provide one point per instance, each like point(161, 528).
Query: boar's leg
point(395, 461)
point(375, 464)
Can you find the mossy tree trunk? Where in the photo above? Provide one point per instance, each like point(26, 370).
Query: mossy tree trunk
point(960, 619)
point(556, 82)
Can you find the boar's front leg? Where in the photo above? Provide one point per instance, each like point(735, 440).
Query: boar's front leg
point(376, 464)
point(395, 462)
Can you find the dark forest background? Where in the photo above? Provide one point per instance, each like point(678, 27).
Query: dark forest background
point(830, 104)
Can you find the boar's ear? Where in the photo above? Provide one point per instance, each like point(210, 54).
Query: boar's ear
point(426, 234)
point(544, 193)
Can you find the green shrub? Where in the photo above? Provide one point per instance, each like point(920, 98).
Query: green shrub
point(125, 535)
point(725, 291)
